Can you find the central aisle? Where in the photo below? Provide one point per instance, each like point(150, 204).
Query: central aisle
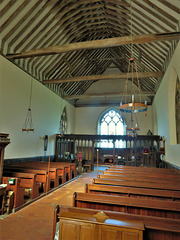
point(35, 222)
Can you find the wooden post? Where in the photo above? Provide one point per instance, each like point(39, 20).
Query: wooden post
point(48, 170)
point(97, 161)
point(113, 151)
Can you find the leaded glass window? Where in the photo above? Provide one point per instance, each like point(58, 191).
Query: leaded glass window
point(111, 123)
point(63, 121)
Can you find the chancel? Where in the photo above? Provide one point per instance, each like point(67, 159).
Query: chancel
point(90, 120)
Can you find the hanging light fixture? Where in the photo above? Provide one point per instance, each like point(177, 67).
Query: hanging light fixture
point(28, 125)
point(132, 100)
point(133, 125)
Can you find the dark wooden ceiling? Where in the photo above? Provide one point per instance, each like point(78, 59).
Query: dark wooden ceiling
point(72, 69)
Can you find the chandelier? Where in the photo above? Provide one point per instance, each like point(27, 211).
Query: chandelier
point(28, 125)
point(132, 98)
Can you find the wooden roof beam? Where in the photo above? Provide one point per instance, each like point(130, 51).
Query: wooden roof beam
point(104, 77)
point(106, 94)
point(103, 43)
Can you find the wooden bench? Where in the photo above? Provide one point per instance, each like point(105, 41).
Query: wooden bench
point(118, 182)
point(144, 175)
point(28, 181)
point(138, 178)
point(17, 189)
point(133, 192)
point(155, 228)
point(64, 170)
point(97, 227)
point(141, 206)
point(69, 167)
point(55, 174)
point(146, 168)
point(143, 169)
point(72, 167)
point(42, 175)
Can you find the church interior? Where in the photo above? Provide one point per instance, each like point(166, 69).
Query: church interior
point(90, 119)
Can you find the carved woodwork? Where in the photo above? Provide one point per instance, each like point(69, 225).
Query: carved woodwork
point(97, 226)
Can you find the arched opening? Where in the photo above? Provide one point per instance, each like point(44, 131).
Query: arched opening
point(63, 121)
point(111, 123)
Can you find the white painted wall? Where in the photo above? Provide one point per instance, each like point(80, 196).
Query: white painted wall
point(164, 103)
point(87, 120)
point(46, 110)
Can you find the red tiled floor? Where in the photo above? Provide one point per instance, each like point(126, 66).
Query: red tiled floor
point(35, 222)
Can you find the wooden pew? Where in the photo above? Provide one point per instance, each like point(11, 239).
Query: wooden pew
point(155, 228)
point(144, 170)
point(98, 226)
point(135, 168)
point(141, 206)
point(133, 192)
point(118, 182)
point(55, 174)
point(72, 167)
point(42, 175)
point(28, 181)
point(138, 178)
point(144, 175)
point(61, 168)
point(17, 189)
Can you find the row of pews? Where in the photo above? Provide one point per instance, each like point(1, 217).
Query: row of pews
point(125, 202)
point(35, 178)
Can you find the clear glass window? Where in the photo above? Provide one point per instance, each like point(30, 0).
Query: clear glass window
point(111, 123)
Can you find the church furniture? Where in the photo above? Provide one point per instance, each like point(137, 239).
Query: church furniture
point(7, 202)
point(142, 206)
point(17, 189)
point(74, 143)
point(118, 182)
point(156, 228)
point(87, 167)
point(28, 181)
point(152, 175)
point(4, 141)
point(147, 169)
point(138, 178)
point(149, 159)
point(70, 168)
point(97, 227)
point(42, 175)
point(2, 197)
point(141, 172)
point(133, 192)
point(109, 159)
point(58, 175)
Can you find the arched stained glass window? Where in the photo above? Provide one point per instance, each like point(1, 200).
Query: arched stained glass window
point(111, 123)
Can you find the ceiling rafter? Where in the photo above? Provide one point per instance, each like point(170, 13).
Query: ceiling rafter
point(146, 38)
point(67, 24)
point(104, 77)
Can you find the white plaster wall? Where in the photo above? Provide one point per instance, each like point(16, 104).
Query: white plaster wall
point(46, 110)
point(164, 102)
point(87, 120)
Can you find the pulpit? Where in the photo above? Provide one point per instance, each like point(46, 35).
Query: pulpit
point(4, 141)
